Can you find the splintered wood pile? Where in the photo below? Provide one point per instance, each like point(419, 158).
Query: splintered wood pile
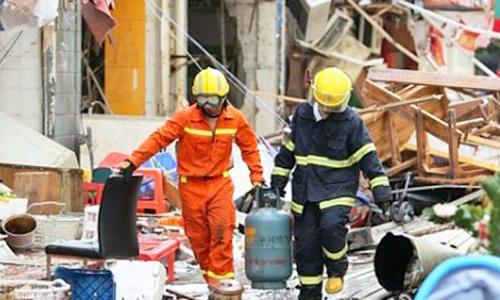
point(461, 111)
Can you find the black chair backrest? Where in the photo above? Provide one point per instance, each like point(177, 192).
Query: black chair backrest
point(118, 217)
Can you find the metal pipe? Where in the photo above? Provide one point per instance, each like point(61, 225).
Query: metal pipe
point(223, 32)
point(434, 187)
point(282, 56)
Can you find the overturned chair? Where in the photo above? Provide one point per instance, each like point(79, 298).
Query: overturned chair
point(116, 227)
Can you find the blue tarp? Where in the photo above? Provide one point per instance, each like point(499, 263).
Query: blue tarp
point(474, 277)
point(164, 161)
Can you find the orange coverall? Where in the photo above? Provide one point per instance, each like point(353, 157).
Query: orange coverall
point(206, 190)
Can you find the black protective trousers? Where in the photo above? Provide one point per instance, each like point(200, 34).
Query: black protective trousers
point(320, 240)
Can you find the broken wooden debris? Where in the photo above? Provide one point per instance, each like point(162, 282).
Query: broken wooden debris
point(384, 33)
point(435, 79)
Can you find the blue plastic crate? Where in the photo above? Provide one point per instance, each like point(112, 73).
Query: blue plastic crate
point(88, 284)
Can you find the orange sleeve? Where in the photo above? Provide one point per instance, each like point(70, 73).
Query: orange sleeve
point(246, 139)
point(161, 138)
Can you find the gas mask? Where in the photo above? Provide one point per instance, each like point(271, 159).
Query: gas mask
point(211, 106)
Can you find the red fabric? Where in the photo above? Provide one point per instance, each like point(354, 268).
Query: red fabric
point(437, 46)
point(112, 159)
point(468, 40)
point(203, 152)
point(496, 25)
point(98, 18)
point(209, 216)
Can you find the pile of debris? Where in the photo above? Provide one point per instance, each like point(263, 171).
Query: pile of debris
point(454, 118)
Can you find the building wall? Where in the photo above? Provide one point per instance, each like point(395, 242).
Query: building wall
point(258, 44)
point(22, 89)
point(68, 78)
point(21, 77)
point(116, 134)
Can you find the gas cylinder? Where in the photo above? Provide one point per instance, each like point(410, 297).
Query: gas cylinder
point(268, 251)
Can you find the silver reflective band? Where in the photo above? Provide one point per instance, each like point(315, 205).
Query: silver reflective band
point(336, 255)
point(379, 180)
point(332, 163)
point(280, 171)
point(311, 280)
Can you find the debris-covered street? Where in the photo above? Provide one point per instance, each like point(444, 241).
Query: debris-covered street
point(249, 149)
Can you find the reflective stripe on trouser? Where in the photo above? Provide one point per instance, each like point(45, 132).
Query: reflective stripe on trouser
point(211, 274)
point(333, 239)
point(316, 231)
point(308, 253)
point(209, 216)
point(298, 208)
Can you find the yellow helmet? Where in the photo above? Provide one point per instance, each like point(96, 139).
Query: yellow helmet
point(210, 82)
point(331, 87)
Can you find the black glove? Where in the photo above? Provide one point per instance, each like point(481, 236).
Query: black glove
point(382, 195)
point(126, 168)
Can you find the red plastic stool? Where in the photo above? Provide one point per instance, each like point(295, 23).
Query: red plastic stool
point(92, 193)
point(163, 251)
point(155, 204)
point(112, 159)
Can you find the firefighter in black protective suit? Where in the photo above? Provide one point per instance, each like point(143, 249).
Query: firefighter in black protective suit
point(328, 145)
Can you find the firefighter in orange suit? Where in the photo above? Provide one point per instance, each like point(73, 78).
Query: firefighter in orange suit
point(206, 131)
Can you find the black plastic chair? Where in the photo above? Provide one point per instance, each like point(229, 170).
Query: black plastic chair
point(116, 226)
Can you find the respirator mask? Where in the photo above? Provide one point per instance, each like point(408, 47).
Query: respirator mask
point(211, 106)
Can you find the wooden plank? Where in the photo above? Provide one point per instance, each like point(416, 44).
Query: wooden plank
point(438, 127)
point(71, 192)
point(471, 123)
point(393, 139)
point(462, 158)
point(453, 144)
point(482, 141)
point(441, 180)
point(38, 187)
point(279, 97)
point(402, 166)
point(66, 188)
point(359, 85)
point(464, 107)
point(476, 195)
point(434, 79)
point(396, 105)
point(421, 142)
point(378, 132)
point(384, 96)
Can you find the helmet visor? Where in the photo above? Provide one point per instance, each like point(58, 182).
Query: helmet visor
point(330, 108)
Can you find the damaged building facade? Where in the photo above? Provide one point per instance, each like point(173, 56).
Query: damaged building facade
point(83, 82)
